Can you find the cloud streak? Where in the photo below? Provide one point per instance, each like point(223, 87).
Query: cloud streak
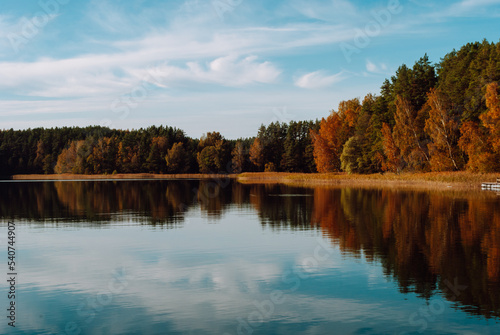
point(319, 79)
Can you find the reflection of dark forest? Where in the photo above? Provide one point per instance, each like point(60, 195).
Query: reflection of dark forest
point(422, 239)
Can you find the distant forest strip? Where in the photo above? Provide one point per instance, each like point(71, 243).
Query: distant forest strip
point(441, 117)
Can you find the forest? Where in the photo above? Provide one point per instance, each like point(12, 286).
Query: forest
point(428, 117)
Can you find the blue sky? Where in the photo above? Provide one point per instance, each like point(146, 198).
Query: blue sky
point(214, 65)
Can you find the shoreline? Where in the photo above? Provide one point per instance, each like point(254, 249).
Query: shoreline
point(443, 180)
point(460, 179)
point(120, 176)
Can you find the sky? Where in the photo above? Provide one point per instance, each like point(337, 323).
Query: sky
point(215, 65)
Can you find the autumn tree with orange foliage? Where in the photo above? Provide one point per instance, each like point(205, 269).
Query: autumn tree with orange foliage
point(408, 133)
point(327, 148)
point(333, 133)
point(442, 128)
point(481, 142)
point(491, 119)
point(257, 153)
point(67, 160)
point(392, 161)
point(473, 142)
point(104, 155)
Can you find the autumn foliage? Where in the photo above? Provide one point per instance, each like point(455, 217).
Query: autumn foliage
point(334, 131)
point(481, 141)
point(442, 128)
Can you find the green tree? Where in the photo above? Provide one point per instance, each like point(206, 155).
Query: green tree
point(214, 155)
point(298, 153)
point(208, 160)
point(350, 158)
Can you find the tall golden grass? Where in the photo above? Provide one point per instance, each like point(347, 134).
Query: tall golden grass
point(430, 179)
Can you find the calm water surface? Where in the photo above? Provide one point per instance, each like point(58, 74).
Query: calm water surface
point(218, 257)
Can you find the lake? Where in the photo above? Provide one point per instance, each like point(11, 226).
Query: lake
point(220, 257)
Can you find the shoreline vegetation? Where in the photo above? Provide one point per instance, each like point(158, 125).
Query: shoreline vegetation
point(119, 176)
point(459, 179)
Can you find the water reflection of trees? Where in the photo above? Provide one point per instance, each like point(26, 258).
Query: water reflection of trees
point(282, 207)
point(422, 239)
point(152, 202)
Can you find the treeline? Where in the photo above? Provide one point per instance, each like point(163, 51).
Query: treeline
point(429, 117)
point(100, 150)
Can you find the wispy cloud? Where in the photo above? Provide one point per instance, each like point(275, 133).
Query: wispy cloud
point(328, 11)
point(477, 3)
point(226, 71)
point(468, 8)
point(98, 75)
point(319, 79)
point(374, 68)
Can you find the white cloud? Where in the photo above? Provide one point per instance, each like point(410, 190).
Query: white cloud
point(227, 71)
point(477, 3)
point(374, 68)
point(468, 8)
point(95, 75)
point(327, 11)
point(191, 55)
point(319, 79)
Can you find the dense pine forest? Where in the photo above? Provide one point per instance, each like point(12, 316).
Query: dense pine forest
point(428, 117)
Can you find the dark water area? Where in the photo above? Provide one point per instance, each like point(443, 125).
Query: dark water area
point(220, 257)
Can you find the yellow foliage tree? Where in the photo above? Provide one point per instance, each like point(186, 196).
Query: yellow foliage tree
point(442, 129)
point(407, 135)
point(481, 142)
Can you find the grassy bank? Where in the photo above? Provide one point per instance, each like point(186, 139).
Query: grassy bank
point(431, 179)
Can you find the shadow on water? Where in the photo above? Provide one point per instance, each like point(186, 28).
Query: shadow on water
point(425, 240)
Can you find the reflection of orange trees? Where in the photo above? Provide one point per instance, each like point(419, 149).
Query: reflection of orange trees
point(491, 247)
point(421, 238)
point(240, 195)
point(329, 216)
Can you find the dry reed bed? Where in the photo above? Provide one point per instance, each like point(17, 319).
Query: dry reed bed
point(430, 180)
point(461, 180)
